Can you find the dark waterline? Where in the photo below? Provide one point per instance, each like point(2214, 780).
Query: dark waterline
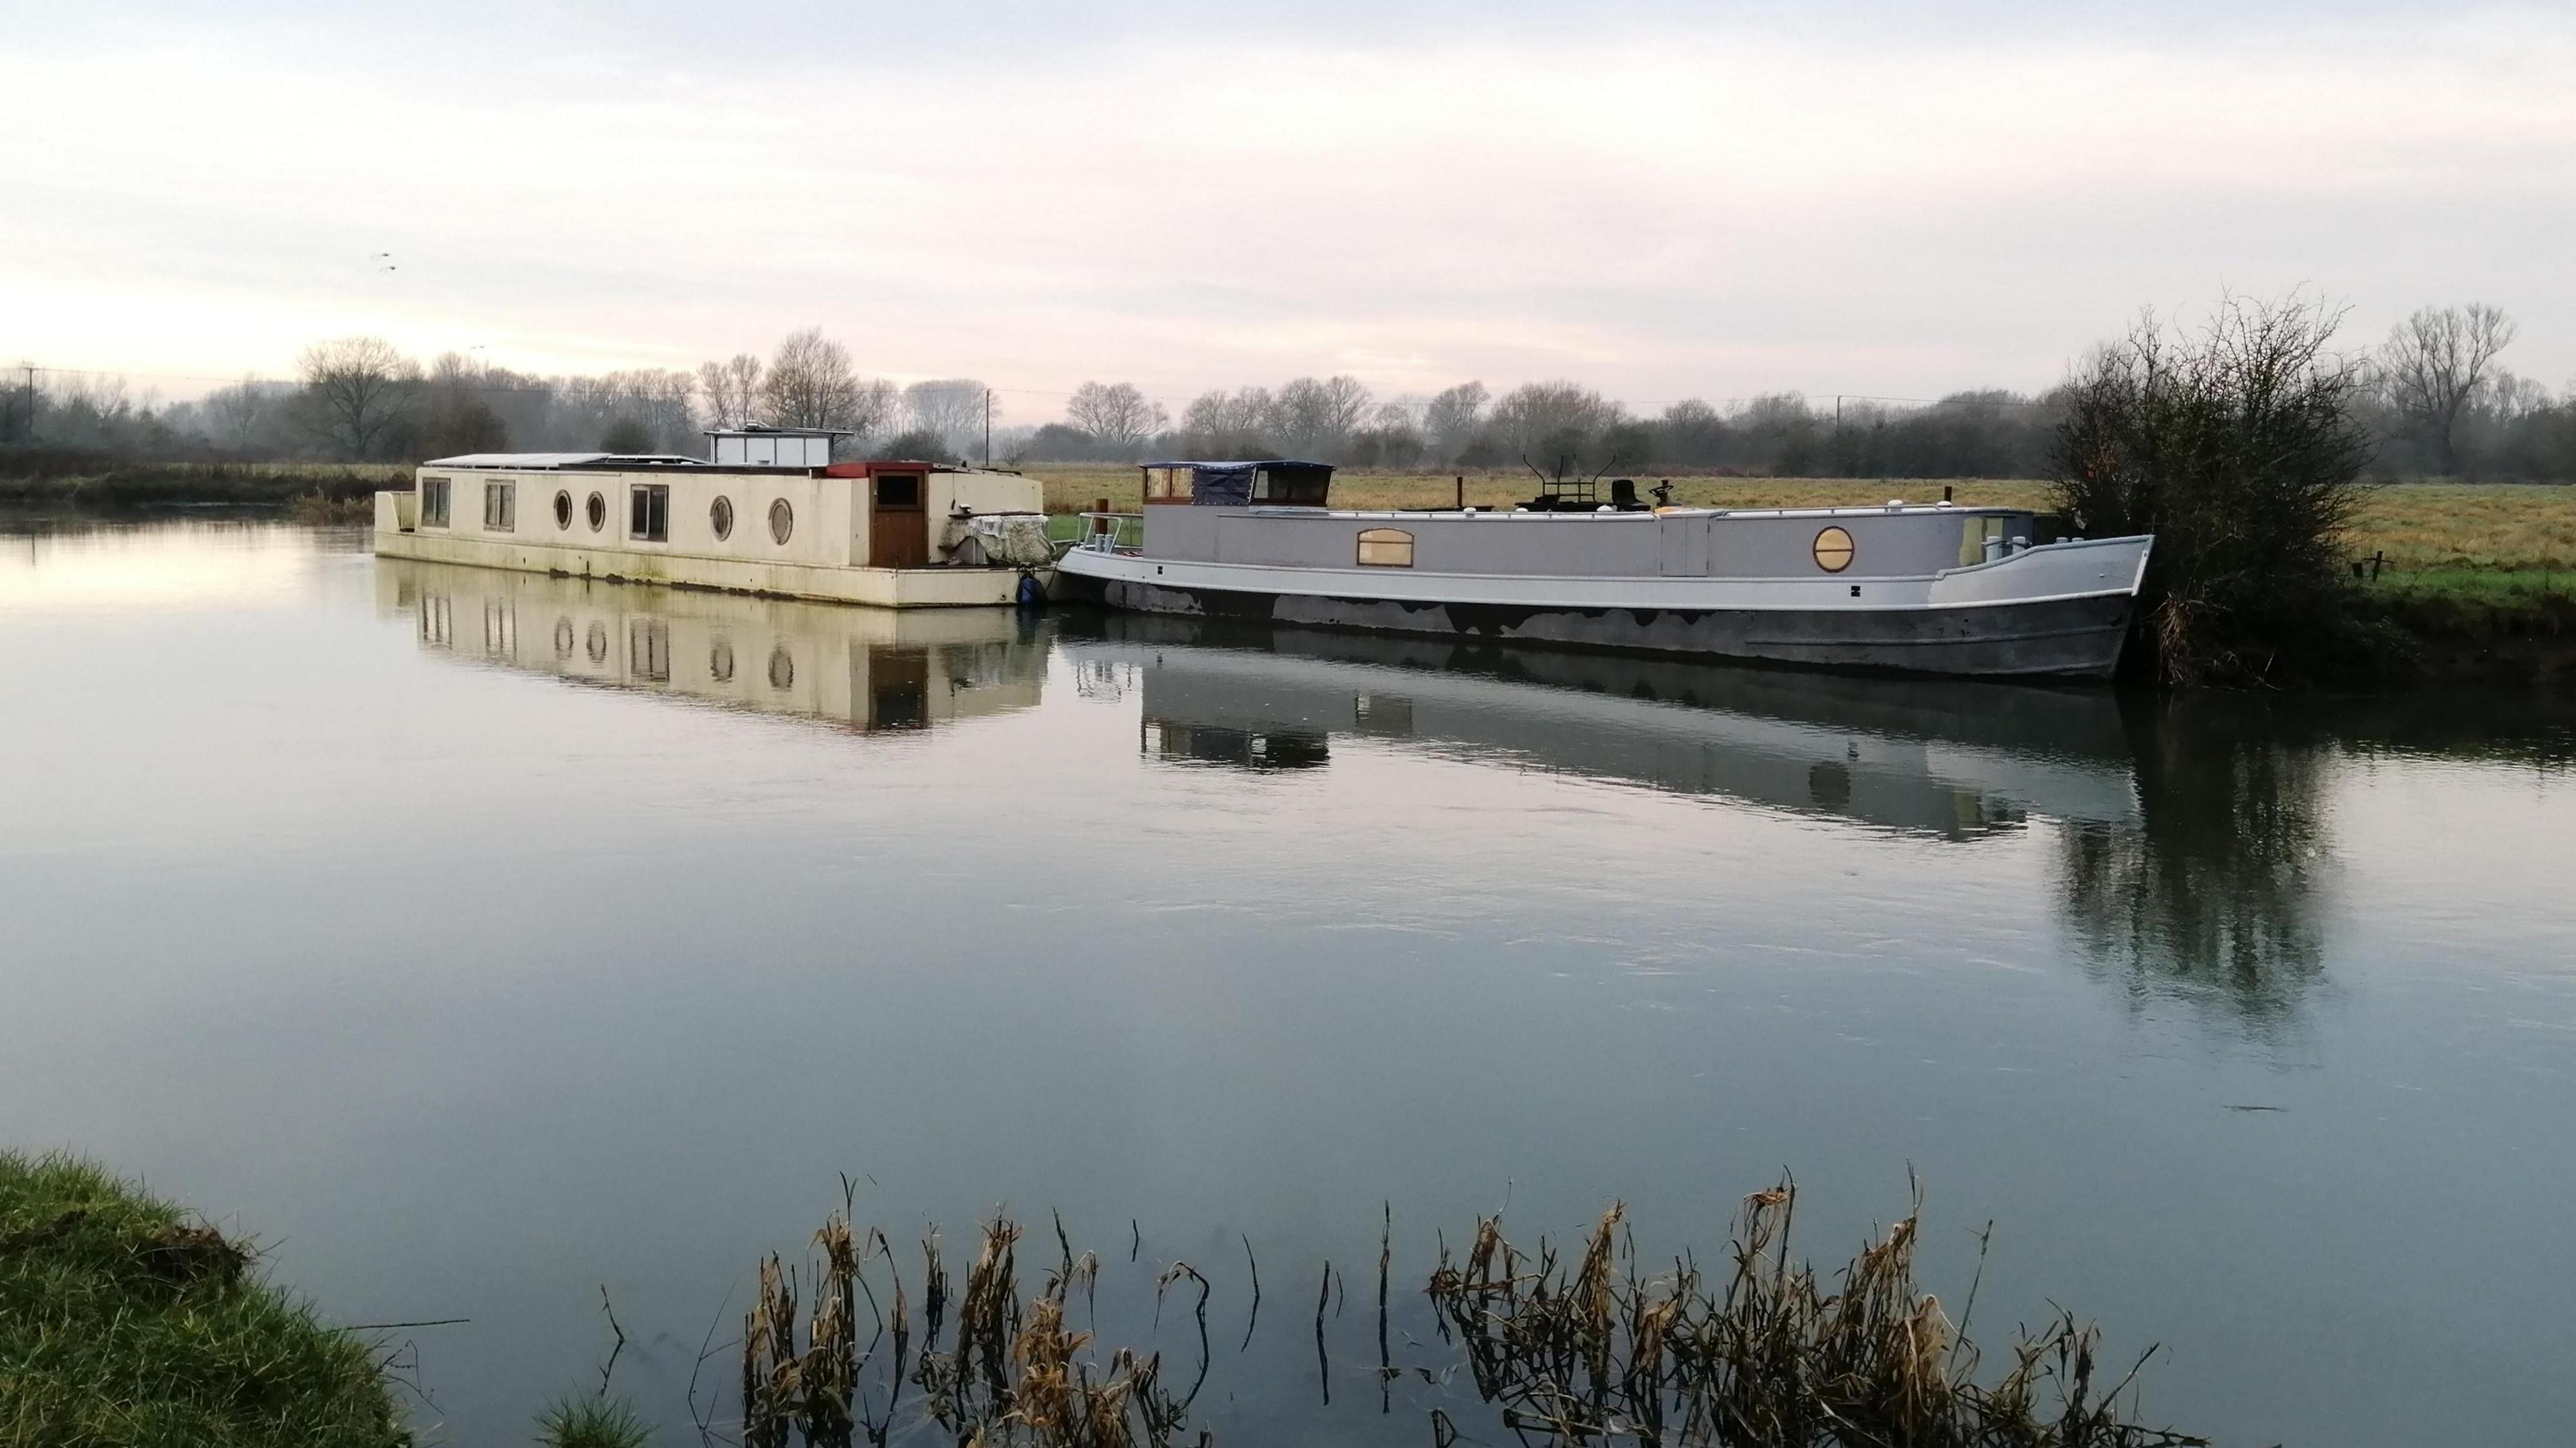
point(475, 942)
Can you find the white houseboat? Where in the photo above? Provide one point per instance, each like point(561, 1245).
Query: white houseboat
point(767, 512)
point(1914, 587)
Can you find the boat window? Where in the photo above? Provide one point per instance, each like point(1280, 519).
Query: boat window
point(501, 507)
point(1291, 487)
point(782, 521)
point(597, 510)
point(1973, 534)
point(563, 509)
point(1386, 548)
point(648, 515)
point(720, 515)
point(1169, 485)
point(433, 502)
point(899, 490)
point(1833, 550)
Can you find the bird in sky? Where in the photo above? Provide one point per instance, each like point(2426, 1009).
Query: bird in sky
point(384, 261)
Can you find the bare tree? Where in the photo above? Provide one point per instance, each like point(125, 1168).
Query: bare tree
point(951, 409)
point(732, 389)
point(1231, 425)
point(2432, 364)
point(359, 388)
point(1115, 415)
point(1317, 418)
point(1453, 416)
point(1562, 428)
point(234, 414)
point(811, 384)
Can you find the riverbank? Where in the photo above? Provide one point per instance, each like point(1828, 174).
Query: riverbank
point(125, 1321)
point(319, 492)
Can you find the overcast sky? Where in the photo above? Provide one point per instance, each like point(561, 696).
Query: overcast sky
point(1663, 200)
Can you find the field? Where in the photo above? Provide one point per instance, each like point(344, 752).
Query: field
point(2439, 536)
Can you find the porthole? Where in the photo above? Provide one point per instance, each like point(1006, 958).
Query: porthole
point(597, 511)
point(597, 644)
point(720, 514)
point(563, 626)
point(563, 510)
point(782, 520)
point(720, 661)
point(782, 669)
point(1833, 550)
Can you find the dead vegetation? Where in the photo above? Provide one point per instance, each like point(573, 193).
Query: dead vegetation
point(1568, 1347)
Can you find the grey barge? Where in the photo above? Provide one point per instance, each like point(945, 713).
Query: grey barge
point(1921, 588)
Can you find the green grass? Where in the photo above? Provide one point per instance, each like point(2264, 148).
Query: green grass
point(591, 1423)
point(125, 1323)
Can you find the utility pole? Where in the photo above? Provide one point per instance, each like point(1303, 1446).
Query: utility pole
point(27, 427)
point(988, 427)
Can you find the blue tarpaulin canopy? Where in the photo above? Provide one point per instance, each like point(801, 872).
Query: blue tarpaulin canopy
point(1289, 482)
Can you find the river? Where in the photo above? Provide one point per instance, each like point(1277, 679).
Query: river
point(482, 942)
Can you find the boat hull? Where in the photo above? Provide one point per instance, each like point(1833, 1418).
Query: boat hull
point(2072, 637)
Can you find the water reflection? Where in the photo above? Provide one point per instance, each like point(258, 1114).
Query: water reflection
point(868, 669)
point(1952, 761)
point(2214, 896)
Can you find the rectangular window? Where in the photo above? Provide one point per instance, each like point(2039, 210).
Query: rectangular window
point(433, 502)
point(648, 513)
point(500, 507)
point(1168, 485)
point(899, 490)
point(1973, 534)
point(1386, 548)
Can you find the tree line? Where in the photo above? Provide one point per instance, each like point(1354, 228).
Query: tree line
point(2434, 399)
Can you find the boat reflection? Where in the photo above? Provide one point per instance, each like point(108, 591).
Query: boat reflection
point(1949, 759)
point(868, 669)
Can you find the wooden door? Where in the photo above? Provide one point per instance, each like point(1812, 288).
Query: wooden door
point(898, 531)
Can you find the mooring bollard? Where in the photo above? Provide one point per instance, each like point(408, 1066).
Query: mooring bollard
point(1100, 520)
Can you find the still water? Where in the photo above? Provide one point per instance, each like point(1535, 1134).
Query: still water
point(481, 941)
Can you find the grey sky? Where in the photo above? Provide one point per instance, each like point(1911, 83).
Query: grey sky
point(1665, 200)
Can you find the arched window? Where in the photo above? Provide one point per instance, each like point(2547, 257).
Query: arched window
point(1833, 550)
point(1386, 548)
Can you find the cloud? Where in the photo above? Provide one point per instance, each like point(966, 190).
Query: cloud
point(1664, 204)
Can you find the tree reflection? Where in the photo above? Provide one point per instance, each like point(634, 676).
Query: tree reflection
point(2213, 898)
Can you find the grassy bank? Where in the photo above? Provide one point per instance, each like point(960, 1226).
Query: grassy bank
point(125, 1322)
point(71, 480)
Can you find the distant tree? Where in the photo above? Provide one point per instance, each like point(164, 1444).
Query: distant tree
point(2433, 364)
point(1220, 425)
point(952, 409)
point(1057, 443)
point(2238, 449)
point(1115, 415)
point(236, 415)
point(626, 436)
point(1560, 429)
point(358, 388)
point(731, 390)
point(916, 445)
point(1451, 420)
point(810, 383)
point(1317, 418)
point(1694, 434)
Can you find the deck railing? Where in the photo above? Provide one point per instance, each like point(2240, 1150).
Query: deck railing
point(1111, 532)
